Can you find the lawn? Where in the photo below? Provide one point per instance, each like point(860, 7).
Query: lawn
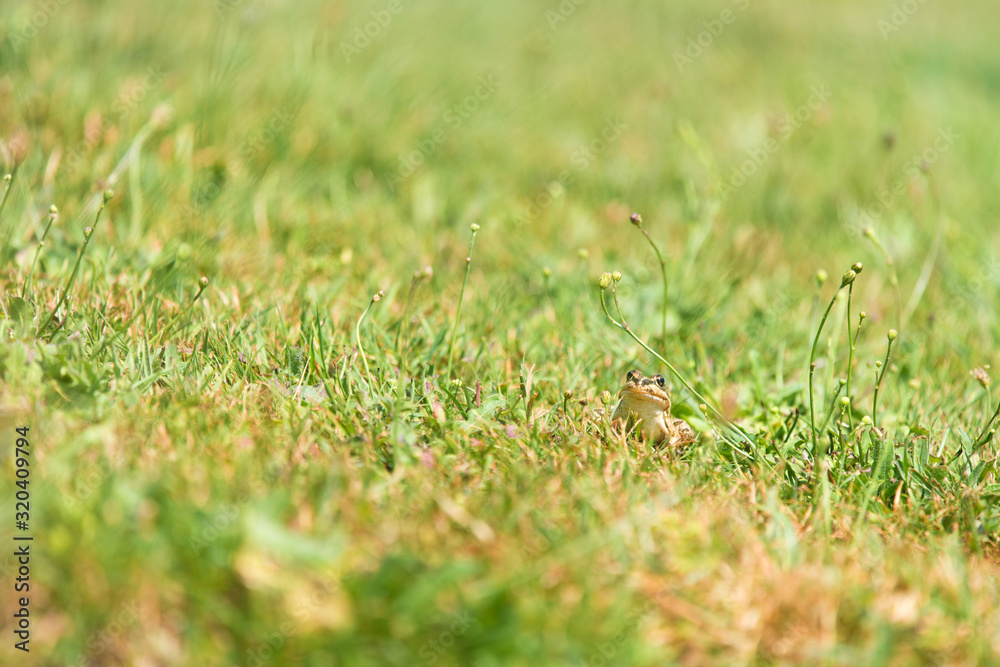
point(315, 316)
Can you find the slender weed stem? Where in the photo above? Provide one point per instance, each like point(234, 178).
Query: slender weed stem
point(402, 334)
point(869, 233)
point(930, 261)
point(850, 356)
point(609, 280)
point(357, 337)
point(988, 430)
point(8, 181)
point(637, 221)
point(53, 214)
point(461, 295)
point(833, 404)
point(88, 233)
point(880, 370)
point(850, 341)
point(812, 373)
point(202, 286)
point(169, 329)
point(848, 279)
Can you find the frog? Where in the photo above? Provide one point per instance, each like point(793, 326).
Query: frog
point(646, 401)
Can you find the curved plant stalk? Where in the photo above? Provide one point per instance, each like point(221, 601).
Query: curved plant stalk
point(357, 337)
point(848, 279)
point(869, 233)
point(932, 254)
point(850, 356)
point(461, 295)
point(53, 214)
point(988, 431)
point(706, 406)
point(402, 334)
point(637, 221)
point(8, 181)
point(88, 233)
point(879, 374)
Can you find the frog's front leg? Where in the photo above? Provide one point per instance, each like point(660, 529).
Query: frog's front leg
point(680, 433)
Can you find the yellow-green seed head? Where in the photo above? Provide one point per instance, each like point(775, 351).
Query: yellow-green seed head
point(981, 376)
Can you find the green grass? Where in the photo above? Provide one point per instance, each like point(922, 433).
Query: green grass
point(269, 466)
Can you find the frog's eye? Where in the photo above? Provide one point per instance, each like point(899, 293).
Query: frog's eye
point(659, 380)
point(633, 375)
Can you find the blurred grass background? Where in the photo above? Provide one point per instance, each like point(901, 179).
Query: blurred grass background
point(191, 510)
